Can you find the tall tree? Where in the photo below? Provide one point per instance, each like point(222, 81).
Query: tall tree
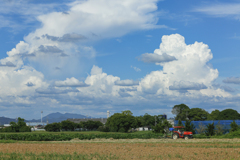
point(181, 111)
point(68, 125)
point(190, 126)
point(148, 120)
point(234, 126)
point(127, 112)
point(159, 128)
point(121, 123)
point(214, 115)
point(197, 114)
point(210, 129)
point(229, 114)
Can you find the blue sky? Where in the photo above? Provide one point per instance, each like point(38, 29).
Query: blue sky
point(90, 56)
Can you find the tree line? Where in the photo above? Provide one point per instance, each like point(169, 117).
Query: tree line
point(183, 112)
point(20, 126)
point(119, 122)
point(125, 121)
point(71, 126)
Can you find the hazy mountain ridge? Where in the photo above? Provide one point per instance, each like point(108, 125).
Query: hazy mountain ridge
point(52, 117)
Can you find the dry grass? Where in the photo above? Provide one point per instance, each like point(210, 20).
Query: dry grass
point(135, 148)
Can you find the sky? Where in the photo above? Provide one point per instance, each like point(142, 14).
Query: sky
point(90, 56)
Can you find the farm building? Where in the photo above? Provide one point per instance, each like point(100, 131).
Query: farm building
point(145, 128)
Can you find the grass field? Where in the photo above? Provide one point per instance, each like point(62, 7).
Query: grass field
point(123, 149)
point(74, 132)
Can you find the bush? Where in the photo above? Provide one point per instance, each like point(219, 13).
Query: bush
point(234, 126)
point(159, 128)
point(67, 137)
point(210, 130)
point(8, 129)
point(103, 129)
point(122, 130)
point(53, 127)
point(190, 127)
point(25, 129)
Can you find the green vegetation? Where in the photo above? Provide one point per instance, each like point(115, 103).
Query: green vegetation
point(180, 111)
point(210, 130)
point(189, 126)
point(159, 128)
point(20, 126)
point(183, 113)
point(66, 136)
point(71, 126)
point(180, 123)
point(234, 126)
point(121, 122)
point(43, 156)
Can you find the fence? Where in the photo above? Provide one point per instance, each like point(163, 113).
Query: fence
point(224, 123)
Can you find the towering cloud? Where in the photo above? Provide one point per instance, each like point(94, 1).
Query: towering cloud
point(188, 72)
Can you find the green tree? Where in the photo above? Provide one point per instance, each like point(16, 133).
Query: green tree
point(68, 125)
point(181, 111)
point(127, 112)
point(190, 126)
point(234, 126)
point(210, 129)
point(53, 127)
point(159, 128)
point(214, 115)
point(20, 126)
point(229, 114)
point(148, 120)
point(121, 123)
point(14, 127)
point(92, 125)
point(197, 114)
point(139, 121)
point(180, 123)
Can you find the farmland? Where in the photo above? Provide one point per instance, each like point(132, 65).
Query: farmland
point(123, 149)
point(100, 145)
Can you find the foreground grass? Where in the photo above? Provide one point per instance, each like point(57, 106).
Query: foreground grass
point(54, 156)
point(74, 132)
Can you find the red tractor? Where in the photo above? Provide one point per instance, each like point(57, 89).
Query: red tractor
point(179, 132)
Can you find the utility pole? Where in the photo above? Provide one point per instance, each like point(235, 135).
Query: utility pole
point(155, 121)
point(41, 116)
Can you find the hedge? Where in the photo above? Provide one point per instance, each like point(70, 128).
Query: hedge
point(67, 137)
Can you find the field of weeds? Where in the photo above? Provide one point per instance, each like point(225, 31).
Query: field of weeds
point(124, 149)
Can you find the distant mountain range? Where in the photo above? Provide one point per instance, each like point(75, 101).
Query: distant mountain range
point(53, 117)
point(5, 120)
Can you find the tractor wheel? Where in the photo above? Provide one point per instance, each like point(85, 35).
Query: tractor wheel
point(175, 136)
point(186, 137)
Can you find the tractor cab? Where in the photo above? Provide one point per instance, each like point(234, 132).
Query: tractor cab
point(179, 132)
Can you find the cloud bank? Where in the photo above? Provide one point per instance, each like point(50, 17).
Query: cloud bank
point(44, 70)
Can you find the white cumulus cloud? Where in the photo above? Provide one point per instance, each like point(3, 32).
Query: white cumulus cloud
point(70, 82)
point(189, 72)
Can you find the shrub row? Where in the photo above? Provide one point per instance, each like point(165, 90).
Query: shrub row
point(66, 137)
